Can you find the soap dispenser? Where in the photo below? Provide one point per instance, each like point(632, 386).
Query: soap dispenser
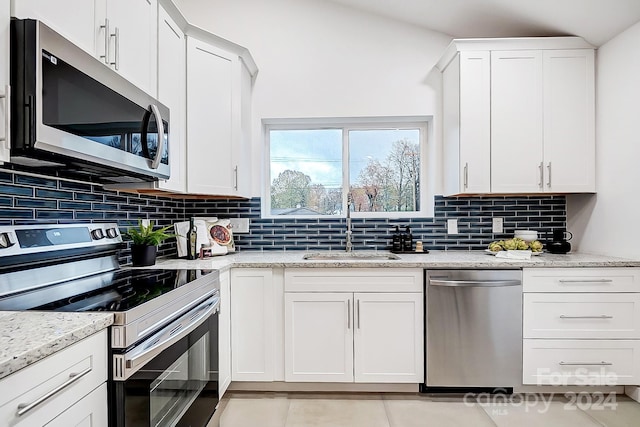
point(396, 243)
point(408, 240)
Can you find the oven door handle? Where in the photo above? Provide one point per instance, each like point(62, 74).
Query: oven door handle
point(174, 332)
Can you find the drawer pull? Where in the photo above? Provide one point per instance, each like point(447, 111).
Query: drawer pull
point(603, 316)
point(23, 408)
point(585, 364)
point(585, 280)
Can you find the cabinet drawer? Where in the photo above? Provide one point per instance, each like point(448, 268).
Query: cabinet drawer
point(353, 280)
point(614, 279)
point(581, 362)
point(85, 360)
point(588, 315)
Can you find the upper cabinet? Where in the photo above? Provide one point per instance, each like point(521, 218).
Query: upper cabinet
point(219, 82)
point(172, 85)
point(5, 90)
point(519, 116)
point(121, 33)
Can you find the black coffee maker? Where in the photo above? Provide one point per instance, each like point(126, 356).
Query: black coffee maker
point(560, 242)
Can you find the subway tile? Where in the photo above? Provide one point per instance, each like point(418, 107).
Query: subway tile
point(74, 205)
point(57, 214)
point(35, 181)
point(69, 185)
point(89, 197)
point(51, 194)
point(17, 213)
point(15, 190)
point(36, 203)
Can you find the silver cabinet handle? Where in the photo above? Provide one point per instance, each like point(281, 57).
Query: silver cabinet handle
point(349, 314)
point(105, 57)
point(541, 168)
point(585, 363)
point(23, 408)
point(466, 175)
point(585, 280)
point(116, 35)
point(473, 283)
point(160, 146)
point(549, 175)
point(603, 316)
point(235, 178)
point(358, 310)
point(7, 117)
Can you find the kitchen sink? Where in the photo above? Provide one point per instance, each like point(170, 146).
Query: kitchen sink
point(338, 256)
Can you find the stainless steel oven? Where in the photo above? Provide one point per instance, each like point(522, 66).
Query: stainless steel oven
point(163, 345)
point(74, 116)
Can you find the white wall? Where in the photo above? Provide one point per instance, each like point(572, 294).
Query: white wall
point(607, 223)
point(320, 59)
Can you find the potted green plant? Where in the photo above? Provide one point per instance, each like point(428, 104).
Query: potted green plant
point(145, 241)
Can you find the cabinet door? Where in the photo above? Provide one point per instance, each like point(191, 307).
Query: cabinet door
point(318, 337)
point(388, 338)
point(172, 92)
point(242, 161)
point(4, 82)
point(569, 120)
point(211, 76)
point(224, 334)
point(133, 41)
point(475, 122)
point(516, 122)
point(91, 411)
point(252, 324)
point(73, 19)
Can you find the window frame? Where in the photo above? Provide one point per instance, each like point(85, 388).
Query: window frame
point(423, 123)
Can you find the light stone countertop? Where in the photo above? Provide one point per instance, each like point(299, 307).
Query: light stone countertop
point(434, 259)
point(26, 337)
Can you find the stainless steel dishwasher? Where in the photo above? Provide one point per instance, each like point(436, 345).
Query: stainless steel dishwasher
point(473, 330)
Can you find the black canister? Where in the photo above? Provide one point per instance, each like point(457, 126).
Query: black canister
point(560, 242)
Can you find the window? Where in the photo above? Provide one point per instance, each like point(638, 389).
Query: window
point(311, 163)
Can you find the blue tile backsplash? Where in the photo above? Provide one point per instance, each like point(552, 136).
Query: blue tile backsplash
point(26, 199)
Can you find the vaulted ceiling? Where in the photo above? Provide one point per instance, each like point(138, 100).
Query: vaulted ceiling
point(596, 21)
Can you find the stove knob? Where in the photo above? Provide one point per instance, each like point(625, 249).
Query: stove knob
point(112, 233)
point(97, 234)
point(6, 240)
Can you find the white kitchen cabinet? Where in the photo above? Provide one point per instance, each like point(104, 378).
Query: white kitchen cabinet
point(466, 108)
point(5, 90)
point(79, 369)
point(91, 411)
point(172, 86)
point(121, 33)
point(254, 304)
point(218, 129)
point(388, 337)
point(354, 325)
point(73, 19)
point(516, 122)
point(569, 118)
point(528, 105)
point(581, 326)
point(319, 337)
point(224, 334)
point(132, 39)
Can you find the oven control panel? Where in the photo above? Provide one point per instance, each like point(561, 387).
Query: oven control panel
point(28, 239)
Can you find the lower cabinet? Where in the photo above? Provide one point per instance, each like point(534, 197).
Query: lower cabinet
point(224, 334)
point(353, 325)
point(581, 326)
point(347, 337)
point(67, 388)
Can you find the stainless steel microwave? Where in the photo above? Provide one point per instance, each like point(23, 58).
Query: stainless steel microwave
point(72, 116)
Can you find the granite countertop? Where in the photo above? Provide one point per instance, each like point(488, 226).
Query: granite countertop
point(433, 259)
point(26, 337)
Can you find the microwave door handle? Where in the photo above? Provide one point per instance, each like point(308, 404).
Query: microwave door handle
point(156, 160)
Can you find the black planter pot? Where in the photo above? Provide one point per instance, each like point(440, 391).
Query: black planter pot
point(143, 255)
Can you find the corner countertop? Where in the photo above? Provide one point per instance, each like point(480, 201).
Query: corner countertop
point(433, 259)
point(26, 337)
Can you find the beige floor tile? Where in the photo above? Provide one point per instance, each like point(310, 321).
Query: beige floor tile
point(533, 411)
point(253, 412)
point(423, 413)
point(623, 414)
point(336, 413)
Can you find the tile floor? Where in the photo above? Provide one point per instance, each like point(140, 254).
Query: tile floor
point(408, 410)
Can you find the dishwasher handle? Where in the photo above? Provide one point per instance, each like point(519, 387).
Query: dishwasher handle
point(473, 283)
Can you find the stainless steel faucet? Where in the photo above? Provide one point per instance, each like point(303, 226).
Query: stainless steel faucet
point(349, 245)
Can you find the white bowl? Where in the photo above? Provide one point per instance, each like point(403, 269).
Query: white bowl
point(526, 235)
